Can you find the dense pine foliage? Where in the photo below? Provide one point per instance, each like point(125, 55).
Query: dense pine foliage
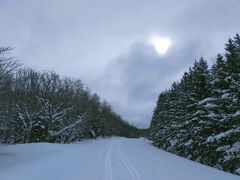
point(199, 117)
point(42, 106)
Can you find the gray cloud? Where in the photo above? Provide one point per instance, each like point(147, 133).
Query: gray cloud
point(133, 80)
point(104, 42)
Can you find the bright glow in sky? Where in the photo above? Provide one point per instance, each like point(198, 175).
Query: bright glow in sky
point(161, 44)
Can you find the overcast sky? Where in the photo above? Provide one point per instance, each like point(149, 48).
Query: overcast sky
point(105, 43)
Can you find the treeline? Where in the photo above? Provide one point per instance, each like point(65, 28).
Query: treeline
point(41, 106)
point(199, 117)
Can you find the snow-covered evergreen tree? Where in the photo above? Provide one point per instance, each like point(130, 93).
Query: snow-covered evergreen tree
point(199, 117)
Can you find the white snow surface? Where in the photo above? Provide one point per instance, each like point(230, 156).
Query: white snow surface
point(209, 99)
point(102, 159)
point(237, 113)
point(223, 135)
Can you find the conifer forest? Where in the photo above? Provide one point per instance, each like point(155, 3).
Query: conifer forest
point(199, 116)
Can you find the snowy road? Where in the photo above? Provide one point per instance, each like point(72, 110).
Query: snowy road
point(104, 159)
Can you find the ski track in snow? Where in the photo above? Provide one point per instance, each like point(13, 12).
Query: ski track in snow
point(108, 162)
point(103, 159)
point(134, 173)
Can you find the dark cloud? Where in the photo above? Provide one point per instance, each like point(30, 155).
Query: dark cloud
point(104, 42)
point(132, 81)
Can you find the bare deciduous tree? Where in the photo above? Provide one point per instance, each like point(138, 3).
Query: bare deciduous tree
point(7, 64)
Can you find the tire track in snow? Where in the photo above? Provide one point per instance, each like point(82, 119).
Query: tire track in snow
point(135, 175)
point(108, 163)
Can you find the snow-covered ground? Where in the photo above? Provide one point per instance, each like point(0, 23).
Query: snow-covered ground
point(103, 159)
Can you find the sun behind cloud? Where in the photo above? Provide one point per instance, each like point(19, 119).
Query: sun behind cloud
point(161, 44)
